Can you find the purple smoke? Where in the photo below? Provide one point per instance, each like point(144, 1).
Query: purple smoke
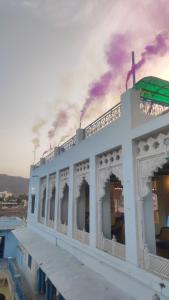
point(116, 57)
point(159, 47)
point(60, 121)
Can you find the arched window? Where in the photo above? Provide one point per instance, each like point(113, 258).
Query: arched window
point(156, 212)
point(83, 207)
point(43, 203)
point(2, 297)
point(113, 210)
point(64, 205)
point(52, 204)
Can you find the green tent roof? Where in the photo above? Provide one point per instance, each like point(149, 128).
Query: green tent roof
point(154, 89)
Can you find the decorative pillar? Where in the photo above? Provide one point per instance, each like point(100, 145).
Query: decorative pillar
point(149, 228)
point(130, 210)
point(46, 201)
point(56, 201)
point(70, 201)
point(92, 199)
point(131, 116)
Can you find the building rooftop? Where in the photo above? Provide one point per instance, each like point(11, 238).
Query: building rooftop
point(9, 223)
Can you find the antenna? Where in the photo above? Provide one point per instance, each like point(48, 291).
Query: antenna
point(133, 67)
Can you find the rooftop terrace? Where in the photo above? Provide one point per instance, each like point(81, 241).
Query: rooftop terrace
point(154, 101)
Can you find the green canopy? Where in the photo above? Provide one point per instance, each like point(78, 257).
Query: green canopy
point(154, 89)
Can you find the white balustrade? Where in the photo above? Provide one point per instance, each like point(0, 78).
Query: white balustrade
point(62, 228)
point(156, 264)
point(81, 235)
point(112, 247)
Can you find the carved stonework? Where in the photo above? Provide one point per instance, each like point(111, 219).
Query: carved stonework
point(43, 183)
point(42, 186)
point(107, 164)
point(153, 146)
point(146, 168)
point(151, 155)
point(52, 184)
point(63, 180)
point(104, 175)
point(81, 173)
point(109, 159)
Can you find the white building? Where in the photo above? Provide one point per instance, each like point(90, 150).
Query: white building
point(97, 203)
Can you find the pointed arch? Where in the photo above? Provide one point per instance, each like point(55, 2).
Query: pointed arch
point(43, 202)
point(112, 209)
point(64, 205)
point(52, 204)
point(83, 209)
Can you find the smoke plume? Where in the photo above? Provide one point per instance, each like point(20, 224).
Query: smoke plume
point(158, 47)
point(116, 57)
point(61, 120)
point(36, 131)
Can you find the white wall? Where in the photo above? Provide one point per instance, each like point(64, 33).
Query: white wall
point(123, 132)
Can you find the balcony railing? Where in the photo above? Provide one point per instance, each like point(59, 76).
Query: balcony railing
point(81, 235)
point(152, 109)
point(110, 116)
point(69, 144)
point(156, 264)
point(112, 247)
point(62, 228)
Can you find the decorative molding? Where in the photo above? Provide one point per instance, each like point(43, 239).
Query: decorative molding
point(151, 155)
point(109, 159)
point(63, 180)
point(81, 173)
point(104, 175)
point(52, 184)
point(110, 116)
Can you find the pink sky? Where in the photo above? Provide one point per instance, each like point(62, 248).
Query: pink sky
point(51, 54)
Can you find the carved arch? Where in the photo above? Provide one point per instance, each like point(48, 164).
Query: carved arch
point(104, 176)
point(64, 205)
point(146, 169)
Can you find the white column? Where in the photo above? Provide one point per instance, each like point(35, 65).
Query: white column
point(129, 183)
point(131, 116)
point(46, 201)
point(149, 227)
point(70, 201)
point(56, 200)
point(37, 198)
point(92, 205)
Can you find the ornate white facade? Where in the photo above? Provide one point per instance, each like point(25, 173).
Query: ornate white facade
point(130, 144)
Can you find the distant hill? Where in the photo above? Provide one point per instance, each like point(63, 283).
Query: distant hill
point(14, 184)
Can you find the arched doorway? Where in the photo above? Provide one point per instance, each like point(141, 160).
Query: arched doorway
point(156, 213)
point(113, 210)
point(2, 297)
point(83, 207)
point(64, 205)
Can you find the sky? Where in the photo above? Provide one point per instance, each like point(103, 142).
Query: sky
point(51, 52)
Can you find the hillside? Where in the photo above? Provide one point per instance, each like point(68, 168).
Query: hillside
point(14, 184)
